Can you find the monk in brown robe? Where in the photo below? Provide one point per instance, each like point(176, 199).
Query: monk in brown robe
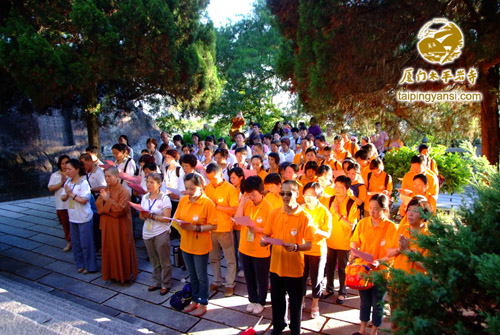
point(119, 260)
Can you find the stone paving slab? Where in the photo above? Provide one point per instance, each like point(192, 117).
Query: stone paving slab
point(77, 287)
point(19, 232)
point(26, 282)
point(15, 222)
point(39, 221)
point(205, 327)
point(135, 290)
point(89, 304)
point(28, 257)
point(33, 272)
point(154, 313)
point(19, 242)
point(57, 242)
point(55, 231)
point(55, 253)
point(161, 330)
point(69, 269)
point(4, 247)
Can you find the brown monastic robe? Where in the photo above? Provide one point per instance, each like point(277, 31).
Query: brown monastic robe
point(119, 259)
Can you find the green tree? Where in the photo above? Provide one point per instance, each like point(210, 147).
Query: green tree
point(92, 51)
point(460, 293)
point(342, 56)
point(246, 55)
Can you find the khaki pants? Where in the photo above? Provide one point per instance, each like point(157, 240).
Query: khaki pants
point(224, 241)
point(158, 249)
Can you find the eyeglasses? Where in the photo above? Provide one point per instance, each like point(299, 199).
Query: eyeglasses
point(288, 194)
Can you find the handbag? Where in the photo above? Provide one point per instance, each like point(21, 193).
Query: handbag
point(181, 298)
point(357, 277)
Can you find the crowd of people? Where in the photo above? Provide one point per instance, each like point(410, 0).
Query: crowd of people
point(288, 207)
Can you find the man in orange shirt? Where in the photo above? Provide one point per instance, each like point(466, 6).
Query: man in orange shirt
point(320, 142)
point(417, 167)
point(330, 160)
point(349, 144)
point(225, 197)
point(363, 159)
point(338, 149)
point(293, 226)
point(430, 163)
point(254, 258)
point(306, 143)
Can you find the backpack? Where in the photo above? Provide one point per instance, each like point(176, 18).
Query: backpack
point(355, 189)
point(181, 298)
point(350, 202)
point(368, 181)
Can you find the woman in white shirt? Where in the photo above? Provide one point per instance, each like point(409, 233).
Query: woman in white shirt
point(156, 232)
point(123, 162)
point(56, 184)
point(77, 193)
point(152, 144)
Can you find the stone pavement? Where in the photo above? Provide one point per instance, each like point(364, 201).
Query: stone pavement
point(31, 254)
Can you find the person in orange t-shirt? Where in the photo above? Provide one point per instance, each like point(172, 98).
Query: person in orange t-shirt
point(315, 259)
point(254, 258)
point(309, 175)
point(330, 160)
point(418, 167)
point(430, 163)
point(293, 226)
point(198, 218)
point(237, 179)
point(272, 184)
point(377, 181)
point(225, 197)
point(344, 218)
point(374, 235)
point(420, 182)
point(338, 149)
point(320, 142)
point(358, 188)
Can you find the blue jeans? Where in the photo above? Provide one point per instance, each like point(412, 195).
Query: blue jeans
point(372, 298)
point(82, 242)
point(198, 276)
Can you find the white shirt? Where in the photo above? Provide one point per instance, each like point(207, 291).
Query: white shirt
point(155, 206)
point(77, 212)
point(158, 157)
point(289, 155)
point(96, 178)
point(130, 170)
point(55, 178)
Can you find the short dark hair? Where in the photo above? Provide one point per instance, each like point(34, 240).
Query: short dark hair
point(361, 154)
point(214, 168)
point(294, 167)
point(77, 165)
point(93, 149)
point(417, 159)
point(254, 183)
point(275, 156)
point(59, 161)
point(382, 199)
point(241, 150)
point(320, 137)
point(322, 169)
point(311, 166)
point(422, 177)
point(291, 183)
point(223, 152)
point(344, 180)
point(295, 130)
point(273, 178)
point(285, 140)
point(338, 138)
point(189, 159)
point(422, 147)
point(311, 149)
point(151, 166)
point(196, 178)
point(354, 166)
point(376, 163)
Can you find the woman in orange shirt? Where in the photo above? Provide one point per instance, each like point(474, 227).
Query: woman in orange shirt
point(254, 258)
point(196, 217)
point(315, 259)
point(258, 165)
point(374, 235)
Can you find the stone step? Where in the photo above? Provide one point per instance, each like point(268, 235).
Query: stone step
point(45, 313)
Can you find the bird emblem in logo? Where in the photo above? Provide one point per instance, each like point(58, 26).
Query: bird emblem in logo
point(440, 46)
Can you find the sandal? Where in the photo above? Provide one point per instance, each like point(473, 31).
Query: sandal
point(326, 294)
point(340, 301)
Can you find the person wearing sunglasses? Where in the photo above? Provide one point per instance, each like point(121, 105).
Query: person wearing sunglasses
point(294, 227)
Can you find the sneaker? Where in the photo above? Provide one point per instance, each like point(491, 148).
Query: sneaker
point(228, 291)
point(258, 309)
point(202, 309)
point(250, 307)
point(241, 274)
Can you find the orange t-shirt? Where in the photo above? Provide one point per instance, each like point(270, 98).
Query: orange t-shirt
point(274, 200)
point(432, 182)
point(377, 184)
point(262, 174)
point(333, 163)
point(321, 220)
point(341, 234)
point(352, 149)
point(291, 228)
point(223, 195)
point(401, 261)
point(299, 158)
point(375, 240)
point(249, 242)
point(200, 212)
point(340, 156)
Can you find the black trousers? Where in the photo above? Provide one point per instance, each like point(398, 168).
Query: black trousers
point(280, 286)
point(334, 257)
point(315, 267)
point(257, 277)
point(96, 219)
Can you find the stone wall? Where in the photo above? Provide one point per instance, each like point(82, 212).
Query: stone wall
point(31, 144)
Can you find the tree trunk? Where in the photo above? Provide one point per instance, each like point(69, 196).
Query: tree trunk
point(490, 128)
point(93, 130)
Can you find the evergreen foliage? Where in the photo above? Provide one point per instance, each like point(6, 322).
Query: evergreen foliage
point(460, 294)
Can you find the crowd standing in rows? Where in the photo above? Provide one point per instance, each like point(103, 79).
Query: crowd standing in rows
point(286, 206)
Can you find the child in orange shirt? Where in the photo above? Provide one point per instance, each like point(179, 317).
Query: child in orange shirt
point(272, 184)
point(377, 181)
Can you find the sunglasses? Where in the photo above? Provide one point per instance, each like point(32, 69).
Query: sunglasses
point(288, 194)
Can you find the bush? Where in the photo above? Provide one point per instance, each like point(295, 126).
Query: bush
point(460, 294)
point(217, 133)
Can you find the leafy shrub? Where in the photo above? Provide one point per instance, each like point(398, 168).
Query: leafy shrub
point(397, 162)
point(460, 293)
point(217, 133)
